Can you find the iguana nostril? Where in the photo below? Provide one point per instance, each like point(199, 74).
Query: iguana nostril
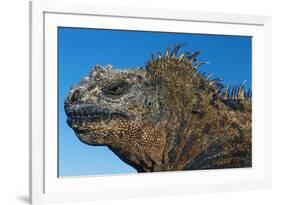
point(75, 96)
point(69, 113)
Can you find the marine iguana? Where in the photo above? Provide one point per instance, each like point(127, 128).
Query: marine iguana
point(167, 116)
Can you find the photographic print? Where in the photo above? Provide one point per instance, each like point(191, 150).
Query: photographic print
point(125, 101)
point(145, 101)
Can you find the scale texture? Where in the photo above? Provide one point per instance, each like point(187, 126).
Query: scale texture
point(166, 116)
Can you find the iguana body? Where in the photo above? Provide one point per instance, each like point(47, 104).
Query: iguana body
point(164, 117)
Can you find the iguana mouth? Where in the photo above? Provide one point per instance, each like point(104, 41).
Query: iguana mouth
point(79, 114)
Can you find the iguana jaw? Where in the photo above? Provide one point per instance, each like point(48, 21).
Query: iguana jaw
point(87, 120)
point(90, 112)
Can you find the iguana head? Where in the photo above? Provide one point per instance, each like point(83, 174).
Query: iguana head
point(106, 100)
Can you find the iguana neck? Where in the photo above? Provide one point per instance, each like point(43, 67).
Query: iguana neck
point(142, 149)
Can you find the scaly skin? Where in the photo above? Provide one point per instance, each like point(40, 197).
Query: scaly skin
point(164, 117)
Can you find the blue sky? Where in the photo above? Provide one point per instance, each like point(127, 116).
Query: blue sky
point(81, 49)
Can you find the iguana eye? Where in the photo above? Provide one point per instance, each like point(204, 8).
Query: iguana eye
point(116, 89)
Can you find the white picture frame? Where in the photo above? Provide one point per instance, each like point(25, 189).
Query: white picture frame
point(46, 187)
